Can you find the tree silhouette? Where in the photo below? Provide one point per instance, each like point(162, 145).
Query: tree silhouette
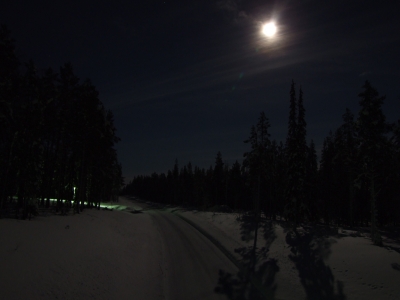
point(258, 161)
point(310, 182)
point(9, 81)
point(359, 166)
point(296, 153)
point(346, 164)
point(371, 129)
point(56, 137)
point(218, 178)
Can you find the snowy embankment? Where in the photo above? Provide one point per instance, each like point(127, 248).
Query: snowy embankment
point(313, 265)
point(97, 254)
point(116, 255)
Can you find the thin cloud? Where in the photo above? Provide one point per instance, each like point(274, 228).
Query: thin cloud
point(232, 9)
point(365, 73)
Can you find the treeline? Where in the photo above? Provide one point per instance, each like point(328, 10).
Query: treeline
point(356, 182)
point(56, 138)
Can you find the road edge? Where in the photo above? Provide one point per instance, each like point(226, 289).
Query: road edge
point(254, 280)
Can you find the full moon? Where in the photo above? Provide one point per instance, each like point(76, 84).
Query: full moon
point(269, 29)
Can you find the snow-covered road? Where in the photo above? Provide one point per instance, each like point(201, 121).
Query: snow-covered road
point(108, 255)
point(190, 262)
point(141, 251)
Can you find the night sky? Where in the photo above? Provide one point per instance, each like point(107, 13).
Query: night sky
point(186, 79)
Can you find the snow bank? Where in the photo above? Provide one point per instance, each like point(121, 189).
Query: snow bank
point(93, 255)
point(313, 265)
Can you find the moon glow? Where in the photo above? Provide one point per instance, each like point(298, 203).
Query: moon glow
point(269, 29)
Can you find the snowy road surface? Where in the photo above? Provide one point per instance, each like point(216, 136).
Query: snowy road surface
point(108, 255)
point(190, 262)
point(154, 254)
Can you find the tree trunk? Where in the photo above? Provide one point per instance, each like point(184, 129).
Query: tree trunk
point(375, 236)
point(256, 220)
point(254, 254)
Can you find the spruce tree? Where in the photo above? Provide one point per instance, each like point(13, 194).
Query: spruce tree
point(371, 129)
point(257, 161)
point(292, 126)
point(9, 80)
point(290, 211)
point(280, 179)
point(176, 183)
point(325, 178)
point(295, 158)
point(302, 155)
point(235, 186)
point(310, 186)
point(218, 180)
point(301, 129)
point(345, 164)
point(393, 203)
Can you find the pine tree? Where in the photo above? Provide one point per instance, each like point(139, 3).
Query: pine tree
point(9, 62)
point(218, 180)
point(345, 164)
point(9, 81)
point(199, 189)
point(280, 179)
point(325, 179)
point(28, 157)
point(236, 186)
point(57, 136)
point(50, 130)
point(176, 183)
point(292, 126)
point(392, 203)
point(302, 155)
point(296, 149)
point(258, 163)
point(310, 186)
point(371, 129)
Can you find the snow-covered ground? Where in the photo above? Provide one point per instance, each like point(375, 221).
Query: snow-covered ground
point(111, 255)
point(316, 264)
point(94, 255)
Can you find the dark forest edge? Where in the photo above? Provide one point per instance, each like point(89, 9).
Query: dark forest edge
point(356, 183)
point(56, 139)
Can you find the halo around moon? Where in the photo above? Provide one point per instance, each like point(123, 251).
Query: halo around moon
point(269, 29)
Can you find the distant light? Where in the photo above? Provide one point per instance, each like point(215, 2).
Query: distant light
point(269, 29)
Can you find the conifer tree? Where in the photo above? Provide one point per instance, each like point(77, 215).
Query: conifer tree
point(280, 179)
point(394, 203)
point(235, 186)
point(302, 155)
point(293, 192)
point(54, 135)
point(9, 80)
point(371, 129)
point(345, 164)
point(258, 163)
point(310, 186)
point(325, 178)
point(292, 125)
point(257, 160)
point(176, 182)
point(218, 178)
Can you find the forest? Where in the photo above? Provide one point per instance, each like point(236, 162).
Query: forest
point(56, 139)
point(356, 181)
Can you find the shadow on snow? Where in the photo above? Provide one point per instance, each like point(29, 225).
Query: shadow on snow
point(309, 247)
point(256, 276)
